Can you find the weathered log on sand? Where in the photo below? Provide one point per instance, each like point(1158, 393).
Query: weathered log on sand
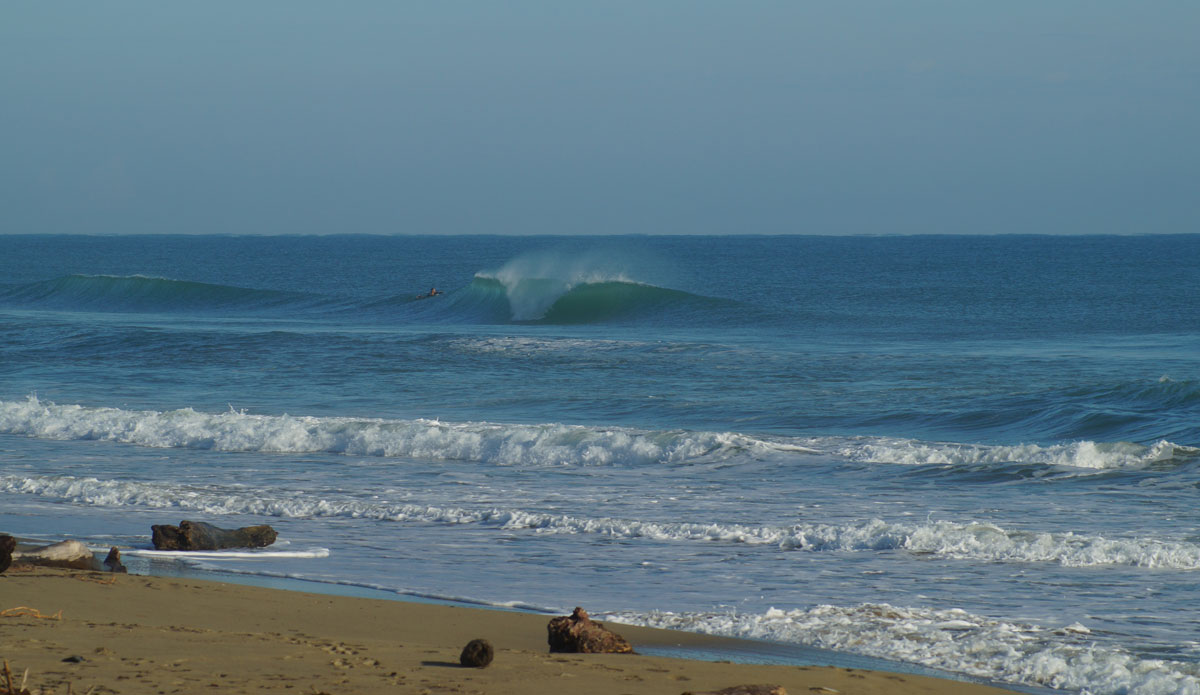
point(580, 634)
point(69, 554)
point(197, 535)
point(7, 545)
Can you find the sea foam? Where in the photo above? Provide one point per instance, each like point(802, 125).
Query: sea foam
point(1082, 454)
point(967, 541)
point(533, 445)
point(548, 444)
point(1066, 657)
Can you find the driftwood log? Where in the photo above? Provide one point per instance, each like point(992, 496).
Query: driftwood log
point(113, 562)
point(7, 545)
point(197, 535)
point(580, 634)
point(68, 554)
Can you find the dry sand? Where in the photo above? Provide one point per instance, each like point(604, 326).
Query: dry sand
point(140, 634)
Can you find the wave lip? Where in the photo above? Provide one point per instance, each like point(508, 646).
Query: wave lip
point(142, 293)
point(953, 640)
point(593, 300)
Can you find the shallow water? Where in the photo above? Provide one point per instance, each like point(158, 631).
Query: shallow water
point(975, 454)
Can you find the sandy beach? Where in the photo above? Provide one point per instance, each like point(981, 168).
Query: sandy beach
point(142, 634)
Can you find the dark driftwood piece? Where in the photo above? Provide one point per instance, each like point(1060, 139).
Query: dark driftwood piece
point(477, 653)
point(113, 562)
point(580, 634)
point(197, 535)
point(7, 545)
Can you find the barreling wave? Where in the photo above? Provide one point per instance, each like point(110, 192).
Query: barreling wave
point(1069, 657)
point(978, 542)
point(591, 300)
point(140, 293)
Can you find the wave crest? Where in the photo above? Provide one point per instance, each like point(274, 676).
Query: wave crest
point(548, 444)
point(1084, 454)
point(550, 300)
point(534, 445)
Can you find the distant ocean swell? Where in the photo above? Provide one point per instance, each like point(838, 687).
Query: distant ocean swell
point(537, 445)
point(947, 539)
point(490, 298)
point(1068, 657)
point(139, 293)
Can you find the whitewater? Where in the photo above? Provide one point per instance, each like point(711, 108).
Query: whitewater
point(978, 455)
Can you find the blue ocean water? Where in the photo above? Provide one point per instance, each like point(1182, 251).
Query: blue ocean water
point(978, 454)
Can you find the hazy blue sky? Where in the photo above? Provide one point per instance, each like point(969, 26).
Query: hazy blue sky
point(600, 117)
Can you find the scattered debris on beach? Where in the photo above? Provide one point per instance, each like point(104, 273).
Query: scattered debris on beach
point(27, 612)
point(9, 688)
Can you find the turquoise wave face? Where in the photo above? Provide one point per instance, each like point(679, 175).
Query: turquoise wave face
point(554, 301)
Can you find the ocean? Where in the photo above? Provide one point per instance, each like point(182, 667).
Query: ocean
point(977, 454)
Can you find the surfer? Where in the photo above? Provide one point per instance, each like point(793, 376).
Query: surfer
point(433, 291)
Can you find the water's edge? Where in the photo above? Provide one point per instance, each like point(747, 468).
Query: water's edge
point(669, 643)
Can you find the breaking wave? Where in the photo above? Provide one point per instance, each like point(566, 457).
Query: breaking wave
point(575, 301)
point(950, 540)
point(1067, 657)
point(548, 444)
point(1084, 454)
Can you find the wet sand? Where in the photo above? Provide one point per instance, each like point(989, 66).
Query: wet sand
point(144, 634)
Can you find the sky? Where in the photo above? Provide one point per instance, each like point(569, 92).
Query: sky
point(615, 117)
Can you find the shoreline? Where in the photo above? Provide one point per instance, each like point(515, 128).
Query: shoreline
point(697, 646)
point(133, 633)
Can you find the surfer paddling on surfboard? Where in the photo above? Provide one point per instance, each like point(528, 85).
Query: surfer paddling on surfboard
point(433, 292)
